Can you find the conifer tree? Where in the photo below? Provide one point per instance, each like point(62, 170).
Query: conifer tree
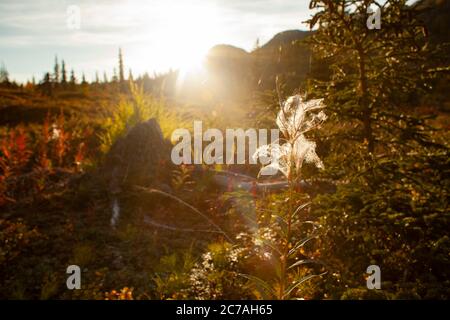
point(380, 155)
point(121, 67)
point(374, 71)
point(56, 71)
point(73, 79)
point(130, 76)
point(46, 84)
point(4, 74)
point(63, 72)
point(114, 77)
point(257, 45)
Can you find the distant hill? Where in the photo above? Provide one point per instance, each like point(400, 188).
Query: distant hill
point(284, 38)
point(229, 71)
point(234, 71)
point(222, 50)
point(283, 55)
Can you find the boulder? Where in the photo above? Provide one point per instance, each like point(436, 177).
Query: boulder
point(141, 157)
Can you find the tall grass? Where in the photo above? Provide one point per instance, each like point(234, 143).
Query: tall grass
point(136, 108)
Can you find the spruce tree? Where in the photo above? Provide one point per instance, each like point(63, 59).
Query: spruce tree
point(121, 67)
point(387, 166)
point(73, 79)
point(46, 84)
point(373, 71)
point(4, 74)
point(63, 73)
point(130, 76)
point(114, 77)
point(56, 71)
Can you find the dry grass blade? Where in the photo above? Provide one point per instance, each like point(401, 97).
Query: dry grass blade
point(184, 203)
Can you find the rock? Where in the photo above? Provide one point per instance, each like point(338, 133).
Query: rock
point(141, 157)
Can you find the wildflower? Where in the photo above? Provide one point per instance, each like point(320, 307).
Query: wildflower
point(295, 118)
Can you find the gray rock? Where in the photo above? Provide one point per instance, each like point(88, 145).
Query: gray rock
point(141, 157)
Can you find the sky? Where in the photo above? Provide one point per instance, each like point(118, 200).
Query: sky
point(155, 35)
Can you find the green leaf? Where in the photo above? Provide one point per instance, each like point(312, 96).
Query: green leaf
point(262, 286)
point(299, 282)
point(299, 208)
point(301, 243)
point(304, 261)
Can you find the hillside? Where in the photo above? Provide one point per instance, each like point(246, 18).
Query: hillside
point(436, 14)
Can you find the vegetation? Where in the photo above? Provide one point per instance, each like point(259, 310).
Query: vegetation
point(364, 153)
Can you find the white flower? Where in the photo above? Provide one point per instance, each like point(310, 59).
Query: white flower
point(295, 118)
point(279, 155)
point(305, 150)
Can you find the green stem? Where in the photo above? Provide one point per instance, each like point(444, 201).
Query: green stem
point(287, 241)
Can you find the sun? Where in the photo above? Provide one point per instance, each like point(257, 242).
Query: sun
point(183, 35)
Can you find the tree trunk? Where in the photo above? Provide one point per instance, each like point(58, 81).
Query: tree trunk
point(364, 103)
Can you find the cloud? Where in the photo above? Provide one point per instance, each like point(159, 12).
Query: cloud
point(39, 27)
